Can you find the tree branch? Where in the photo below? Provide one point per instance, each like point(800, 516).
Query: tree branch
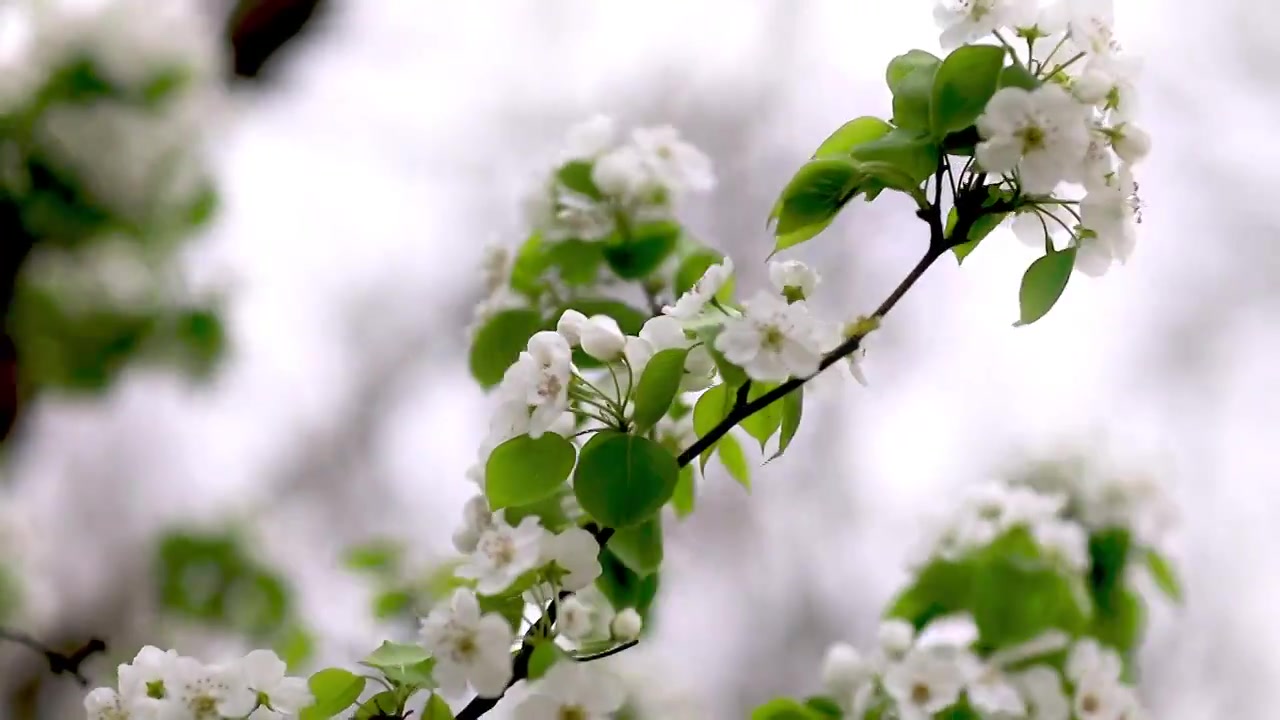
point(59, 663)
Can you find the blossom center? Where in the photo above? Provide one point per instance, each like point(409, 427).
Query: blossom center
point(1033, 138)
point(920, 693)
point(549, 386)
point(773, 337)
point(572, 712)
point(1090, 704)
point(501, 549)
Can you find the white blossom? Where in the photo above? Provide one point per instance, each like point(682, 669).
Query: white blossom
point(847, 676)
point(773, 340)
point(601, 338)
point(963, 21)
point(264, 673)
point(896, 637)
point(627, 624)
point(679, 166)
point(1109, 214)
point(570, 326)
point(794, 277)
point(1091, 24)
point(574, 618)
point(576, 552)
point(1041, 133)
point(925, 682)
point(691, 304)
point(573, 690)
point(1041, 688)
point(504, 553)
point(540, 380)
point(468, 647)
point(476, 518)
point(591, 137)
point(624, 174)
point(1130, 142)
point(208, 692)
point(105, 704)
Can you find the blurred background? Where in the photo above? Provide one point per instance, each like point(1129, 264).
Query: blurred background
point(367, 150)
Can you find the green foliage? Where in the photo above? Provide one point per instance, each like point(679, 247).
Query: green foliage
point(813, 198)
point(639, 253)
point(623, 479)
point(1043, 284)
point(763, 424)
point(578, 262)
point(524, 469)
point(334, 690)
point(912, 154)
point(729, 450)
point(824, 706)
point(912, 86)
point(379, 557)
point(1166, 578)
point(978, 231)
point(388, 703)
point(639, 547)
point(684, 498)
point(546, 654)
point(792, 410)
point(576, 176)
point(787, 709)
point(499, 342)
point(964, 82)
point(437, 709)
point(658, 386)
point(624, 588)
point(712, 407)
point(852, 134)
point(295, 646)
point(1017, 75)
point(904, 64)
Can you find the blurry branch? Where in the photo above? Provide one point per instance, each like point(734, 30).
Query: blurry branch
point(258, 29)
point(59, 663)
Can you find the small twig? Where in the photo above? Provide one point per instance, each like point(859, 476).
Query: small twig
point(59, 663)
point(611, 651)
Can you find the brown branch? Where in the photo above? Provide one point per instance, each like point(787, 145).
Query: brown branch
point(59, 663)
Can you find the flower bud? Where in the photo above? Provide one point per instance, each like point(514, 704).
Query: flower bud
point(626, 625)
point(570, 326)
point(573, 619)
point(844, 670)
point(896, 637)
point(602, 339)
point(1131, 143)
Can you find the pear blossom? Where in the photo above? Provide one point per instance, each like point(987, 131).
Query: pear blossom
point(148, 669)
point(468, 647)
point(627, 624)
point(601, 338)
point(624, 174)
point(680, 166)
point(574, 618)
point(773, 340)
point(570, 326)
point(896, 637)
point(925, 682)
point(1109, 215)
point(963, 21)
point(105, 704)
point(1091, 24)
point(591, 137)
point(540, 380)
point(573, 690)
point(476, 519)
point(847, 676)
point(1041, 688)
point(691, 304)
point(1130, 142)
point(208, 692)
point(576, 552)
point(264, 673)
point(793, 279)
point(1041, 133)
point(503, 553)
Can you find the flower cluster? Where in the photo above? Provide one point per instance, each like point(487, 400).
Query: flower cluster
point(1074, 125)
point(163, 684)
point(918, 675)
point(636, 181)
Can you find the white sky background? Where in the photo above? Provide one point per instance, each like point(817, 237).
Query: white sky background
point(395, 146)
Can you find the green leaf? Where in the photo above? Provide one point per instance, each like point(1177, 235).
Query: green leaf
point(913, 153)
point(295, 646)
point(576, 175)
point(629, 319)
point(417, 675)
point(851, 134)
point(1165, 576)
point(965, 81)
point(902, 65)
point(912, 96)
point(623, 588)
point(642, 251)
point(1018, 76)
point(658, 386)
point(549, 511)
point(712, 407)
point(824, 706)
point(577, 260)
point(692, 269)
point(784, 709)
point(376, 556)
point(390, 603)
point(499, 342)
point(639, 547)
point(525, 470)
point(813, 198)
point(437, 709)
point(763, 424)
point(333, 690)
point(546, 654)
point(1043, 284)
point(391, 654)
point(685, 496)
point(387, 703)
point(729, 450)
point(531, 261)
point(982, 227)
point(623, 480)
point(732, 375)
point(792, 409)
